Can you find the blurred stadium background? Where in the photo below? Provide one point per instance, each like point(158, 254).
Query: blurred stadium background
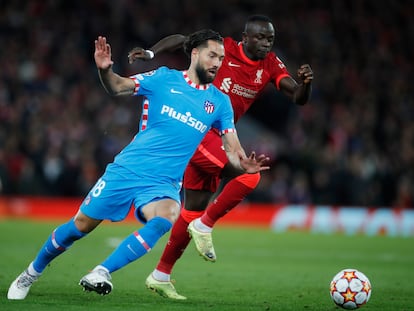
point(344, 162)
point(353, 145)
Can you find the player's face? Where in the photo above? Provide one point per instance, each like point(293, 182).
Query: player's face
point(209, 61)
point(258, 39)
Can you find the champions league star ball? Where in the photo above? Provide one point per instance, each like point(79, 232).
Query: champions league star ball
point(350, 289)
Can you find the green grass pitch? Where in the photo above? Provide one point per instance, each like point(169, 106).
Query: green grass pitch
point(256, 270)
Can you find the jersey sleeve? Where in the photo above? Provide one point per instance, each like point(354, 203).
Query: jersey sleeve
point(146, 82)
point(225, 124)
point(279, 71)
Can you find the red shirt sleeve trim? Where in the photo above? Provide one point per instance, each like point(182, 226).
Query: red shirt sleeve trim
point(280, 78)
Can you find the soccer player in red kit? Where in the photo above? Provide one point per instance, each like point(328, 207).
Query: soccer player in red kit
point(248, 67)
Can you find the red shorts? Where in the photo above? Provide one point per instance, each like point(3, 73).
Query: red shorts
point(205, 167)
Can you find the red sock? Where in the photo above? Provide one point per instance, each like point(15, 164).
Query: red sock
point(178, 241)
point(232, 194)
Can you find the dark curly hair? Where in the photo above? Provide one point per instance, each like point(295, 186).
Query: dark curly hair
point(199, 39)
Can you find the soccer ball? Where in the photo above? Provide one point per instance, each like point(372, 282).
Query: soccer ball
point(350, 289)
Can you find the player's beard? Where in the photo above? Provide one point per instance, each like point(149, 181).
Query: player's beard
point(203, 75)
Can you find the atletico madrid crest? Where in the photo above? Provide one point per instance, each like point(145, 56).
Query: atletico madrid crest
point(208, 106)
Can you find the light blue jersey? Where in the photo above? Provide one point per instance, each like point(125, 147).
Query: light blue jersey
point(176, 115)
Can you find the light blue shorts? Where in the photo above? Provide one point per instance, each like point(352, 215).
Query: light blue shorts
point(119, 189)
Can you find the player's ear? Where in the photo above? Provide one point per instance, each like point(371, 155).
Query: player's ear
point(244, 37)
point(194, 52)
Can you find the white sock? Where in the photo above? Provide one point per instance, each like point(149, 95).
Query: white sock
point(160, 276)
point(31, 270)
point(99, 267)
point(200, 226)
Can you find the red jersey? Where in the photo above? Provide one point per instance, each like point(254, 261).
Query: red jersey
point(242, 79)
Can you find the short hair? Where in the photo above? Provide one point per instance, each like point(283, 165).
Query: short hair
point(257, 18)
point(199, 39)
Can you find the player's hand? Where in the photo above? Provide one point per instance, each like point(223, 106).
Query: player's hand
point(253, 164)
point(102, 54)
point(138, 53)
point(305, 73)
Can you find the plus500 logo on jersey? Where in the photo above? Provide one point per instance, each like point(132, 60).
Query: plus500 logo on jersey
point(184, 118)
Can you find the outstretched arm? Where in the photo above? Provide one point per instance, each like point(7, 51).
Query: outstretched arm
point(238, 159)
point(169, 44)
point(113, 83)
point(298, 93)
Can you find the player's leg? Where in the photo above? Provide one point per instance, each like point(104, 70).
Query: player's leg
point(200, 234)
point(160, 279)
point(232, 194)
point(177, 243)
point(58, 242)
point(158, 216)
point(110, 198)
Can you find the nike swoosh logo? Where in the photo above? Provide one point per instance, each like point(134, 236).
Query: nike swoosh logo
point(233, 64)
point(175, 92)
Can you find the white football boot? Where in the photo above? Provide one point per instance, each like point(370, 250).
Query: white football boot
point(20, 287)
point(98, 280)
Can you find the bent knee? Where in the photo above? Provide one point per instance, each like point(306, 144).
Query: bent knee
point(249, 180)
point(166, 208)
point(84, 223)
point(172, 213)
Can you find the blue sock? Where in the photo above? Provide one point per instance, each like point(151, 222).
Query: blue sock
point(59, 241)
point(137, 244)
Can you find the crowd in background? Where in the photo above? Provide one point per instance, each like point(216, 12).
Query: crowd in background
point(353, 144)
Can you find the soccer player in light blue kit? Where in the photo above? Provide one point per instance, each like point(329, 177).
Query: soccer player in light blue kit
point(178, 110)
